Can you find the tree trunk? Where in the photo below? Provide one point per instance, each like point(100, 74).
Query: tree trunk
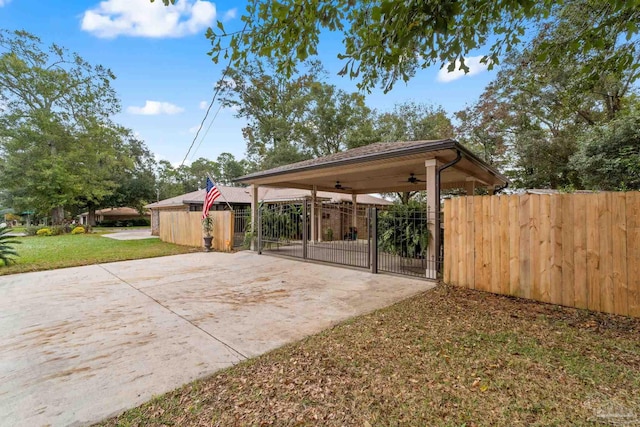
point(57, 215)
point(91, 217)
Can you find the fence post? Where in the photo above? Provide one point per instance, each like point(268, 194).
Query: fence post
point(259, 229)
point(373, 237)
point(305, 238)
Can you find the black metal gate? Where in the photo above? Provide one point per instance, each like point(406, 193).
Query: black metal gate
point(404, 235)
point(394, 240)
point(327, 232)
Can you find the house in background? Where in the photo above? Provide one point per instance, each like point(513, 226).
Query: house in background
point(336, 214)
point(117, 216)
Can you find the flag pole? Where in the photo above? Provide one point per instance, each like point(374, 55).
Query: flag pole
point(221, 193)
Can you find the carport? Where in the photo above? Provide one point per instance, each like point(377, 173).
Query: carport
point(376, 168)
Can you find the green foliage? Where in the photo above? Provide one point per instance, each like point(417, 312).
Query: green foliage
point(78, 230)
point(207, 226)
point(44, 232)
point(59, 148)
point(7, 251)
point(609, 158)
point(534, 117)
point(389, 40)
point(281, 222)
point(403, 230)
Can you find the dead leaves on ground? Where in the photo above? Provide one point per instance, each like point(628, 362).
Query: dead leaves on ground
point(446, 357)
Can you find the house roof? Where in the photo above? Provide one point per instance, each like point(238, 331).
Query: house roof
point(122, 211)
point(379, 167)
point(241, 195)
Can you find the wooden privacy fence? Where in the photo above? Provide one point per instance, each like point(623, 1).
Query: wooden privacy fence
point(185, 228)
point(578, 250)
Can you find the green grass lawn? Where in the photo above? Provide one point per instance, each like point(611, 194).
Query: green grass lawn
point(447, 357)
point(47, 253)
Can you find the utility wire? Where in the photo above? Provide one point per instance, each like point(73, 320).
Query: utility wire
point(213, 100)
point(206, 132)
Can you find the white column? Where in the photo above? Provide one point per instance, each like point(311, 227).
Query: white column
point(314, 221)
point(431, 166)
point(254, 216)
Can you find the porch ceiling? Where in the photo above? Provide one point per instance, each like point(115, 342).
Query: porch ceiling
point(380, 168)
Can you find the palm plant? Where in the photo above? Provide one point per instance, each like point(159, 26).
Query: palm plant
point(6, 246)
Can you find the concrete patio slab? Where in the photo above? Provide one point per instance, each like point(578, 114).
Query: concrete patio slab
point(80, 344)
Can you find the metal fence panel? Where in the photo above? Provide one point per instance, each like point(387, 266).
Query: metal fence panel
point(403, 238)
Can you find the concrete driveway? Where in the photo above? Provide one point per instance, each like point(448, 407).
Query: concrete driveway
point(80, 344)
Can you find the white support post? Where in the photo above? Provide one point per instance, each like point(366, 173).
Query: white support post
point(254, 217)
point(432, 170)
point(314, 222)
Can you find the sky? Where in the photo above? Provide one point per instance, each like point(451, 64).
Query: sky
point(165, 78)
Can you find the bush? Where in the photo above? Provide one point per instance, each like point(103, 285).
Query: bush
point(44, 232)
point(78, 230)
point(57, 230)
point(32, 230)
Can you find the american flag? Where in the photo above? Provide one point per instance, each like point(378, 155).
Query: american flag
point(212, 194)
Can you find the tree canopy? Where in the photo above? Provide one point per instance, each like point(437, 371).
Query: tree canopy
point(386, 41)
point(59, 149)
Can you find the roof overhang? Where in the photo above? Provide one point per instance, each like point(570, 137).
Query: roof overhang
point(382, 172)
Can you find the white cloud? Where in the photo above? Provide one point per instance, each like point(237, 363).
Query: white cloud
point(203, 105)
point(475, 67)
point(228, 15)
point(141, 18)
point(154, 108)
point(6, 2)
point(194, 129)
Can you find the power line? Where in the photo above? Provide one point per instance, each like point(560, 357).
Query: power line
point(213, 100)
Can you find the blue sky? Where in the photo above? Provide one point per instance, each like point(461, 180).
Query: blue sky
point(164, 74)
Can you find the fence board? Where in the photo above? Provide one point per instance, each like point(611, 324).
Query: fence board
point(470, 252)
point(462, 222)
point(633, 252)
point(544, 238)
point(619, 253)
point(496, 261)
point(449, 245)
point(580, 250)
point(566, 282)
point(478, 248)
point(606, 254)
point(486, 243)
point(555, 261)
point(505, 262)
point(581, 286)
point(514, 245)
point(456, 239)
point(525, 259)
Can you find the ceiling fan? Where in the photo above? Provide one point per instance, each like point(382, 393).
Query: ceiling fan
point(413, 179)
point(339, 186)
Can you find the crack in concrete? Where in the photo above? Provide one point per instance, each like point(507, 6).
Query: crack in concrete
point(173, 312)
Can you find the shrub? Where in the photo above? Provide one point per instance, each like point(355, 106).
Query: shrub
point(78, 230)
point(7, 252)
point(44, 232)
point(57, 230)
point(31, 230)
